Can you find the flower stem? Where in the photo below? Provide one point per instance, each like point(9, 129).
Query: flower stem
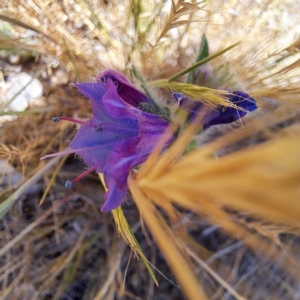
point(144, 86)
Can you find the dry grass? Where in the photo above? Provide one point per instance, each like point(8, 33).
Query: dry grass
point(224, 218)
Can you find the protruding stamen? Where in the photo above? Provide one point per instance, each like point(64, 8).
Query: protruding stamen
point(62, 153)
point(71, 151)
point(55, 119)
point(83, 123)
point(99, 127)
point(68, 184)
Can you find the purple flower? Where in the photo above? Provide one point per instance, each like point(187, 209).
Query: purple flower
point(221, 114)
point(118, 137)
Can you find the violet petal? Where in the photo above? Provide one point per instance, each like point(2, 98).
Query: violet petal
point(126, 90)
point(98, 143)
point(114, 196)
point(115, 105)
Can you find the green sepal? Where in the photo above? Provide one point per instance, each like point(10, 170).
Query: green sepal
point(163, 112)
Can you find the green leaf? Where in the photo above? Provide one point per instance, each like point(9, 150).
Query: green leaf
point(204, 50)
point(203, 53)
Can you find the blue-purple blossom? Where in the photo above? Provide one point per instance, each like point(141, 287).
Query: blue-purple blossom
point(118, 137)
point(221, 114)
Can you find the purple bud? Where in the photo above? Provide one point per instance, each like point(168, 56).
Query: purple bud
point(221, 114)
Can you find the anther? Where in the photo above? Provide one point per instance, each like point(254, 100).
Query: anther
point(55, 119)
point(68, 184)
